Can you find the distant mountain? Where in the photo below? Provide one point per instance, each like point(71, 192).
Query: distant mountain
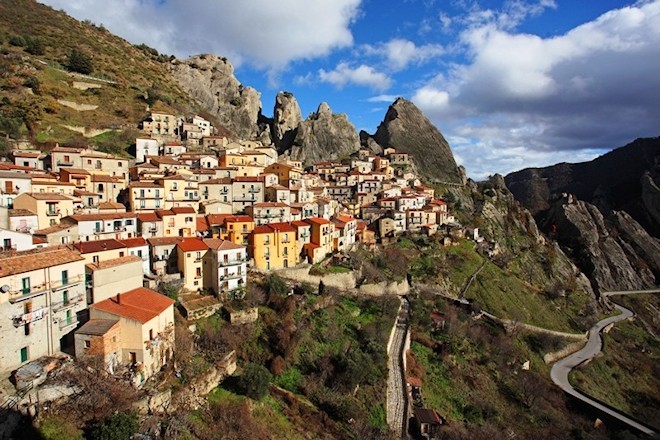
point(627, 179)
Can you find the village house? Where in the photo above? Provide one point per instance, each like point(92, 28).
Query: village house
point(12, 184)
point(219, 189)
point(346, 228)
point(150, 225)
point(61, 233)
point(269, 212)
point(105, 278)
point(146, 196)
point(19, 220)
point(234, 228)
point(100, 250)
point(225, 270)
point(11, 241)
point(41, 298)
point(102, 226)
point(45, 185)
point(246, 191)
point(145, 146)
point(287, 174)
point(322, 235)
point(30, 159)
point(190, 252)
point(164, 257)
point(50, 208)
point(139, 247)
point(273, 246)
point(145, 339)
point(178, 221)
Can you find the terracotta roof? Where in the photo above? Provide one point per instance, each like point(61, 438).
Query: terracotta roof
point(221, 245)
point(148, 217)
point(202, 224)
point(102, 216)
point(38, 240)
point(221, 180)
point(300, 224)
point(134, 242)
point(104, 178)
point(345, 218)
point(55, 228)
point(97, 327)
point(192, 244)
point(79, 192)
point(28, 261)
point(51, 182)
point(11, 166)
point(238, 219)
point(164, 212)
point(48, 196)
point(163, 241)
point(71, 170)
point(111, 205)
point(145, 185)
point(282, 227)
point(249, 179)
point(311, 246)
point(66, 150)
point(317, 220)
point(20, 213)
point(183, 210)
point(87, 247)
point(113, 262)
point(263, 229)
point(139, 304)
point(28, 154)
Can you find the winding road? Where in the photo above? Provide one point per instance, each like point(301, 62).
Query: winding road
point(561, 369)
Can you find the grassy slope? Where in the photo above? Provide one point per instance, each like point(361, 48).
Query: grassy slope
point(627, 374)
point(121, 105)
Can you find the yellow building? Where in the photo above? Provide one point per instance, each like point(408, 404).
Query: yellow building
point(180, 190)
point(273, 246)
point(53, 186)
point(49, 207)
point(178, 222)
point(322, 234)
point(288, 174)
point(146, 196)
point(234, 228)
point(190, 253)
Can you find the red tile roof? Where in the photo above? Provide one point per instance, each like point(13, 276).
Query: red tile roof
point(163, 241)
point(28, 261)
point(183, 210)
point(282, 227)
point(87, 247)
point(148, 217)
point(317, 220)
point(202, 224)
point(134, 242)
point(192, 244)
point(221, 245)
point(139, 304)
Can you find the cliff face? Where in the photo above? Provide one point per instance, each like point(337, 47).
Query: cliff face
point(211, 81)
point(322, 136)
point(406, 129)
point(616, 253)
point(286, 118)
point(627, 178)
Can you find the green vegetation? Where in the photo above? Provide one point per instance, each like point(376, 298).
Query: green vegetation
point(254, 381)
point(59, 428)
point(626, 375)
point(118, 426)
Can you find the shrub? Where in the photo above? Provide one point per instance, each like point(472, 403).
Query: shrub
point(80, 62)
point(254, 381)
point(34, 46)
point(120, 426)
point(17, 40)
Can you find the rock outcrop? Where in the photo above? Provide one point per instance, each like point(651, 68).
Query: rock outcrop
point(286, 118)
point(615, 253)
point(406, 129)
point(627, 179)
point(324, 136)
point(210, 80)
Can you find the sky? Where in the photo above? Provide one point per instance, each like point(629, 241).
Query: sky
point(510, 83)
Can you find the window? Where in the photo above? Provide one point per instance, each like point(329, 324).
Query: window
point(198, 272)
point(25, 283)
point(24, 354)
point(26, 329)
point(129, 222)
point(151, 334)
point(65, 277)
point(88, 344)
point(65, 297)
point(95, 259)
point(121, 254)
point(139, 253)
point(7, 243)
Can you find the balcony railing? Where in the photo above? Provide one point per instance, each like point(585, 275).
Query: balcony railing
point(50, 213)
point(24, 293)
point(254, 190)
point(231, 262)
point(71, 302)
point(27, 318)
point(68, 322)
point(65, 282)
point(234, 276)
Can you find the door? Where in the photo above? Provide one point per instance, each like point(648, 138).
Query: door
point(24, 354)
point(26, 286)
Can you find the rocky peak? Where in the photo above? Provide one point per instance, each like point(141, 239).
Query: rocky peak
point(210, 80)
point(323, 136)
point(286, 118)
point(615, 253)
point(406, 129)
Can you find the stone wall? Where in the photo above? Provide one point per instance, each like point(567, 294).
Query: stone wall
point(243, 316)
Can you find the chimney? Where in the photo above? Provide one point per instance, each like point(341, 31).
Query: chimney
point(118, 298)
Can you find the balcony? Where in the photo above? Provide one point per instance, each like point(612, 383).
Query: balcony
point(231, 262)
point(27, 318)
point(68, 322)
point(120, 228)
point(66, 282)
point(153, 230)
point(234, 276)
point(63, 305)
point(254, 190)
point(9, 191)
point(53, 213)
point(21, 294)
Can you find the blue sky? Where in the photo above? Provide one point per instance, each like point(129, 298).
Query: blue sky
point(511, 84)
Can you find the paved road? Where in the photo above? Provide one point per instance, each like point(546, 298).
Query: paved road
point(396, 391)
point(561, 369)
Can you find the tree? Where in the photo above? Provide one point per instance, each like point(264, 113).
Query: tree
point(80, 62)
point(254, 381)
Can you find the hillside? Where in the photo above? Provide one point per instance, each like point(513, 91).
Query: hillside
point(41, 97)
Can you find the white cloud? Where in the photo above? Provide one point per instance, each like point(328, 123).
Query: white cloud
point(525, 100)
point(383, 98)
point(400, 53)
point(361, 75)
point(268, 34)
